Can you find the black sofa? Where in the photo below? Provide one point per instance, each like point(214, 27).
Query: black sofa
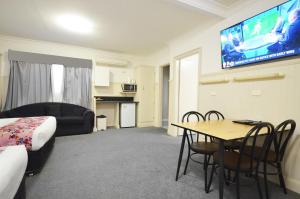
point(71, 119)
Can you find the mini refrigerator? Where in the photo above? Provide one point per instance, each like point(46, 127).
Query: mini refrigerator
point(127, 115)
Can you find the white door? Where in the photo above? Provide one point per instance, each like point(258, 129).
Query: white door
point(188, 85)
point(145, 95)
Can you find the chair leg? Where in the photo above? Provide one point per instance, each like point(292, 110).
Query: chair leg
point(266, 180)
point(205, 172)
point(187, 162)
point(258, 185)
point(281, 179)
point(211, 178)
point(237, 181)
point(228, 178)
point(204, 162)
point(208, 159)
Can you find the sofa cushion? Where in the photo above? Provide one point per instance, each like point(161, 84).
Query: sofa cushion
point(71, 110)
point(54, 109)
point(28, 111)
point(70, 120)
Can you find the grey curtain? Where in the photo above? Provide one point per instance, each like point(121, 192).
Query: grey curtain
point(78, 86)
point(31, 83)
point(28, 83)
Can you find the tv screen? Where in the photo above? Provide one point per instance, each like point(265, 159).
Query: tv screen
point(270, 35)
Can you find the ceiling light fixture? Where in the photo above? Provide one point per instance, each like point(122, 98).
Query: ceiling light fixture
point(75, 23)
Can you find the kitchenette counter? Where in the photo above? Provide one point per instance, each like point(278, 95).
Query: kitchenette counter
point(115, 108)
point(114, 99)
point(105, 101)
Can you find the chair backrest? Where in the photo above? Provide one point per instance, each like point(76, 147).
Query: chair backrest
point(192, 116)
point(214, 115)
point(283, 133)
point(250, 141)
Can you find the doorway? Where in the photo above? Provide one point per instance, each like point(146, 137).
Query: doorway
point(165, 96)
point(188, 75)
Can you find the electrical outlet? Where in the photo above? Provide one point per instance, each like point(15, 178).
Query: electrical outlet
point(213, 93)
point(256, 93)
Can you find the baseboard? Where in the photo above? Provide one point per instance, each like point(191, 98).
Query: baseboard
point(172, 131)
point(145, 124)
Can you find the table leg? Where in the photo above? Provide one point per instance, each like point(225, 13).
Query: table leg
point(221, 169)
point(181, 152)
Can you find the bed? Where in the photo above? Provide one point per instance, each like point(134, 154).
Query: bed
point(13, 162)
point(36, 133)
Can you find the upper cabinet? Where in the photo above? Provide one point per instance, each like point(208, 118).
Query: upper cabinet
point(102, 76)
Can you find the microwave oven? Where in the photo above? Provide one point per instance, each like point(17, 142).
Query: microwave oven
point(129, 87)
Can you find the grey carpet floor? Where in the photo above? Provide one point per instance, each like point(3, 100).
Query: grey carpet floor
point(126, 164)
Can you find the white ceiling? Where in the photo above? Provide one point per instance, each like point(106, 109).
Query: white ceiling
point(227, 2)
point(129, 26)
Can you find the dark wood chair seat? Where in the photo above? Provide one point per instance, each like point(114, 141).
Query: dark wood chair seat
point(233, 145)
point(271, 156)
point(229, 145)
point(231, 161)
point(208, 148)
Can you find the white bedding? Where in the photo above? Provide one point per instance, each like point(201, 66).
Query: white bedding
point(41, 134)
point(13, 163)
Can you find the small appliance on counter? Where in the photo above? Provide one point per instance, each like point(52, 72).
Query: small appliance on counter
point(113, 99)
point(129, 87)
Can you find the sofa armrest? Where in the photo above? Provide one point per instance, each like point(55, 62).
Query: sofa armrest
point(89, 116)
point(88, 113)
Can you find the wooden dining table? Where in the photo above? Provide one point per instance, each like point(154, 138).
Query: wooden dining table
point(223, 130)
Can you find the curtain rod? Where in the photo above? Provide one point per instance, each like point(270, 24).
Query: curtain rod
point(48, 59)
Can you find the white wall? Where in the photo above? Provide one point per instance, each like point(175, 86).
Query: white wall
point(159, 59)
point(279, 99)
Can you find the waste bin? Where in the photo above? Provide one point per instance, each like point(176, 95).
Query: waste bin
point(101, 122)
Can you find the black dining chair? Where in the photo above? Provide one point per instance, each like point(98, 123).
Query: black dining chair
point(240, 162)
point(283, 133)
point(216, 115)
point(205, 147)
point(210, 115)
point(274, 157)
point(228, 145)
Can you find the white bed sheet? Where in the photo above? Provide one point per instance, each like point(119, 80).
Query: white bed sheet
point(41, 134)
point(13, 163)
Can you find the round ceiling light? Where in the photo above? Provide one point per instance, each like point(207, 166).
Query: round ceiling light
point(75, 23)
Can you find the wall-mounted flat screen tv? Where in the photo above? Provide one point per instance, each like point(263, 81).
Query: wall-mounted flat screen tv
point(270, 35)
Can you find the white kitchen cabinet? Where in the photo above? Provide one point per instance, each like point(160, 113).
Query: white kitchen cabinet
point(102, 76)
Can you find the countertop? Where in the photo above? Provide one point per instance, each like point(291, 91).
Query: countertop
point(104, 101)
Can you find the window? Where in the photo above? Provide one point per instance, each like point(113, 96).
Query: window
point(57, 79)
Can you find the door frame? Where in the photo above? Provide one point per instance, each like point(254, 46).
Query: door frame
point(160, 107)
point(177, 80)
